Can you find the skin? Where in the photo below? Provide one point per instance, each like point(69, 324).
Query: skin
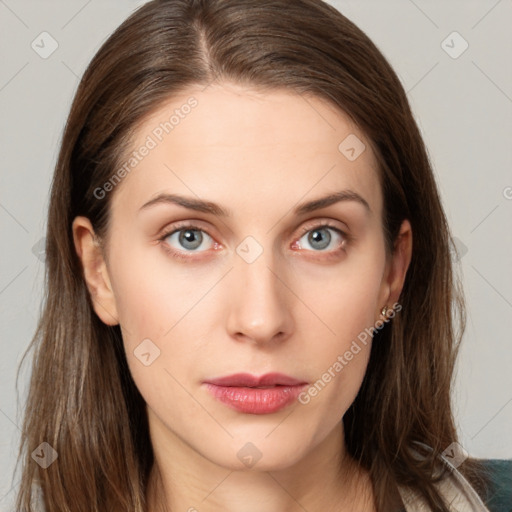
point(294, 309)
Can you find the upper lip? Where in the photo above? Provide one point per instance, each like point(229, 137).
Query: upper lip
point(252, 381)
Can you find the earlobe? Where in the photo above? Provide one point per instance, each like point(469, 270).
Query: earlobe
point(95, 271)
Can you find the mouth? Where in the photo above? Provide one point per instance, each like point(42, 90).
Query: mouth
point(249, 394)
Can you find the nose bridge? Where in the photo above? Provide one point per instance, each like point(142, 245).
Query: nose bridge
point(260, 306)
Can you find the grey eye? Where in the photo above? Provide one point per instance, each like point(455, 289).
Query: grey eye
point(319, 238)
point(188, 238)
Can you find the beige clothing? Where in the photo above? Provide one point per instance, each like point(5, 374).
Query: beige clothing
point(455, 489)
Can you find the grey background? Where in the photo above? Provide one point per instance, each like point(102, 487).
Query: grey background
point(463, 106)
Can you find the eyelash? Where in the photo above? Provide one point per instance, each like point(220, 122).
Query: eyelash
point(182, 255)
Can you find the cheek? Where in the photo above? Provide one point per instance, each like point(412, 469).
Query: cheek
point(164, 309)
point(153, 293)
point(344, 297)
point(345, 302)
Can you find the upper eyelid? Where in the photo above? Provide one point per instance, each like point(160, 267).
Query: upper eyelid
point(196, 224)
point(182, 225)
point(319, 225)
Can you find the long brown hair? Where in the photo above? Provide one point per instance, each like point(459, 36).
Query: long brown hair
point(82, 399)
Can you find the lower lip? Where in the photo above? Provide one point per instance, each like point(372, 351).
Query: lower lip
point(256, 400)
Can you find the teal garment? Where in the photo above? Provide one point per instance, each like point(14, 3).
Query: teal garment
point(499, 494)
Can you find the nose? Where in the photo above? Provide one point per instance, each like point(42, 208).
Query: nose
point(260, 302)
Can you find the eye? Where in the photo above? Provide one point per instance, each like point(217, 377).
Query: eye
point(186, 238)
point(182, 240)
point(321, 238)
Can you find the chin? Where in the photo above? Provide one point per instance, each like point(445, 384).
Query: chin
point(259, 453)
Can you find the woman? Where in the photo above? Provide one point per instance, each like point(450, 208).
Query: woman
point(250, 299)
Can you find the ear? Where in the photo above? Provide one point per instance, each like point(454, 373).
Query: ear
point(396, 268)
point(95, 270)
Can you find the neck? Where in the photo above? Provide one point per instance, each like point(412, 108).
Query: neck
point(327, 479)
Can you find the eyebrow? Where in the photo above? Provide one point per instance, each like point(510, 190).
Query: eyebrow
point(201, 205)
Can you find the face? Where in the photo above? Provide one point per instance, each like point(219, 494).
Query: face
point(246, 278)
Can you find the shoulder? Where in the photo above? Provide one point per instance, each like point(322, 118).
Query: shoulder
point(499, 493)
point(457, 491)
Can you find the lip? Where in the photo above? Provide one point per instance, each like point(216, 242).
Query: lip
point(250, 394)
point(251, 381)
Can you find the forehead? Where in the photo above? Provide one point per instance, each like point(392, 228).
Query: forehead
point(246, 148)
